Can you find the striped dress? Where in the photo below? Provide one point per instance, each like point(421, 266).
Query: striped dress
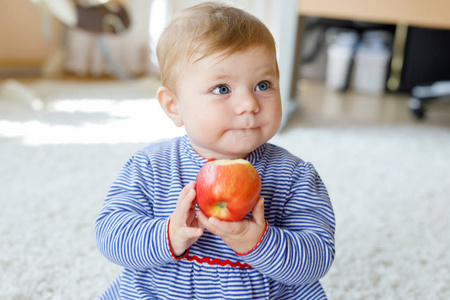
point(296, 250)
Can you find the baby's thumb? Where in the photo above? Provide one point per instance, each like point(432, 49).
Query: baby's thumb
point(258, 211)
point(193, 232)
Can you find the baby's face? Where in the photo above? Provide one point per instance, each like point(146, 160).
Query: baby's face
point(230, 105)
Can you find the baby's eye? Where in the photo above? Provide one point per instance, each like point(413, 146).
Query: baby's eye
point(262, 86)
point(221, 90)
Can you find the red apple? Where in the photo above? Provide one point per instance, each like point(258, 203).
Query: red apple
point(227, 189)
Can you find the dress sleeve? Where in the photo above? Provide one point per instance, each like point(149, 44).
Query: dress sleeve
point(126, 231)
point(301, 248)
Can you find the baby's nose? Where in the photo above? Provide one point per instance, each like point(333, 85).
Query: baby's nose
point(247, 103)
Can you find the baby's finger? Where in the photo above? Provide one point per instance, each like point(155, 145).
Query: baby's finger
point(202, 220)
point(191, 232)
point(191, 216)
point(187, 203)
point(181, 214)
point(185, 212)
point(184, 192)
point(196, 223)
point(216, 226)
point(211, 224)
point(223, 228)
point(258, 211)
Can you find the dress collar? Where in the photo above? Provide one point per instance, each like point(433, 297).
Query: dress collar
point(190, 152)
point(187, 149)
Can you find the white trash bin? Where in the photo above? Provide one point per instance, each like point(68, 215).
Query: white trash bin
point(371, 63)
point(339, 59)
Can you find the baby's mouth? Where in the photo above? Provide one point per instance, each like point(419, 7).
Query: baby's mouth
point(245, 128)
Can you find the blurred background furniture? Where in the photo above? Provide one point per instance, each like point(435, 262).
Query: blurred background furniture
point(410, 19)
point(423, 95)
point(98, 17)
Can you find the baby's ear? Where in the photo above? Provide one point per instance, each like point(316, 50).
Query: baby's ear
point(169, 104)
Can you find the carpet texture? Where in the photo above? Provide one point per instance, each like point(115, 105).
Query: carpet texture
point(63, 143)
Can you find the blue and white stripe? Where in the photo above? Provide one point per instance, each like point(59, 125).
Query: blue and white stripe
point(295, 252)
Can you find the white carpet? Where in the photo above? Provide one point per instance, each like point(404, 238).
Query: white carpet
point(390, 187)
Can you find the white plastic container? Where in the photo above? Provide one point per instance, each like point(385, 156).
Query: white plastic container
point(339, 58)
point(371, 62)
point(370, 68)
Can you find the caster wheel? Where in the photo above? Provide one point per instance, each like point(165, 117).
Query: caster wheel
point(417, 108)
point(418, 113)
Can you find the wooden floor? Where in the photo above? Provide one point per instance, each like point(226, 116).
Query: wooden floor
point(319, 106)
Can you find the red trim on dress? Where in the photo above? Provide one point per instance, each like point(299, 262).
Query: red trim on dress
point(259, 242)
point(216, 261)
point(209, 261)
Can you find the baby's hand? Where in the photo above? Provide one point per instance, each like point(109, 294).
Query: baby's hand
point(183, 228)
point(240, 236)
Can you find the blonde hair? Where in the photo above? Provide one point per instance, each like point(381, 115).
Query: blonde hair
point(206, 29)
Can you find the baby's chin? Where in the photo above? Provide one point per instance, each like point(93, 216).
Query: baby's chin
point(239, 148)
point(255, 136)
